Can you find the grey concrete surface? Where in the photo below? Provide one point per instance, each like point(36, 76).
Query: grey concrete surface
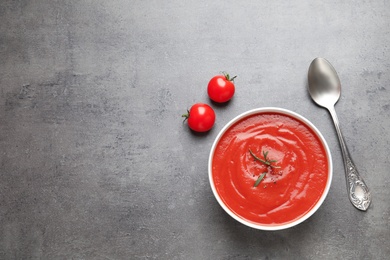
point(97, 164)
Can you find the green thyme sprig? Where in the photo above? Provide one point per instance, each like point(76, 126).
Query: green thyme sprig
point(265, 161)
point(261, 177)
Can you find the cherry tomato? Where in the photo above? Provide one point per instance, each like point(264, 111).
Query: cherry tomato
point(221, 88)
point(200, 117)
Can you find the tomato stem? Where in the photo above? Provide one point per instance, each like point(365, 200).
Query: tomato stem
point(186, 116)
point(227, 76)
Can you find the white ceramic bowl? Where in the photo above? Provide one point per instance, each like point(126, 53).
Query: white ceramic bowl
point(305, 122)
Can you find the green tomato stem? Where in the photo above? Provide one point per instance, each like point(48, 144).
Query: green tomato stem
point(227, 76)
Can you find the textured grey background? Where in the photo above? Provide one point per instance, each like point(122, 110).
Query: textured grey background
point(97, 164)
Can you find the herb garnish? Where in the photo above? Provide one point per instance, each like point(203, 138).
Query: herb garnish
point(259, 179)
point(266, 162)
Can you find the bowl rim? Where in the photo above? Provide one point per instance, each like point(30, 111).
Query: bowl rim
point(304, 121)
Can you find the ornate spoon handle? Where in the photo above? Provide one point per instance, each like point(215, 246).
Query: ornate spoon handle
point(358, 192)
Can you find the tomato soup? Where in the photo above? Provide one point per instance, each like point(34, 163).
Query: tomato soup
point(293, 183)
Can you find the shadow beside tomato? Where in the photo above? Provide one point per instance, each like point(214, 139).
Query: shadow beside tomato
point(224, 104)
point(200, 134)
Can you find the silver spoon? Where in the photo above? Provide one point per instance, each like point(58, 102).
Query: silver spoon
point(325, 89)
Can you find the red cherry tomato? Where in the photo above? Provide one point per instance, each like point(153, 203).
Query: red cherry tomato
point(201, 117)
point(221, 88)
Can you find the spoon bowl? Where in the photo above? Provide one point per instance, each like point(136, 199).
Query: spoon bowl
point(325, 89)
point(324, 84)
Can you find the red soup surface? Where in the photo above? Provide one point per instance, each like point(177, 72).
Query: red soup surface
point(290, 189)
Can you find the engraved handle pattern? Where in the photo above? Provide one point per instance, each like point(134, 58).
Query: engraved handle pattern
point(358, 192)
